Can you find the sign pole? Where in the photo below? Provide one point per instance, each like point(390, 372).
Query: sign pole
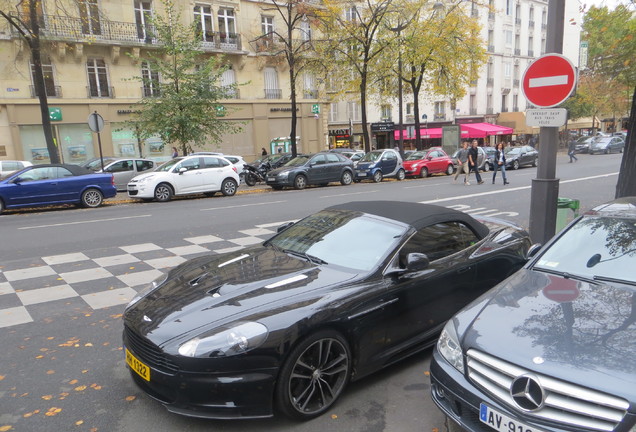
point(545, 188)
point(96, 124)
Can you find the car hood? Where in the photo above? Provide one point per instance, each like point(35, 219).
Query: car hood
point(583, 332)
point(142, 177)
point(283, 169)
point(210, 290)
point(412, 163)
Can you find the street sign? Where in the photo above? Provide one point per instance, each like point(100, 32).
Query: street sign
point(561, 290)
point(95, 122)
point(55, 114)
point(549, 80)
point(315, 109)
point(554, 117)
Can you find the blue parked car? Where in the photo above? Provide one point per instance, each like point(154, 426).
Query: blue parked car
point(378, 164)
point(40, 185)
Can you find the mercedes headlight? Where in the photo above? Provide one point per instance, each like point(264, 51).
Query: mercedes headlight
point(148, 289)
point(448, 346)
point(225, 341)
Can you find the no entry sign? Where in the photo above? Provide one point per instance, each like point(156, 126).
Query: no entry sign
point(549, 80)
point(561, 290)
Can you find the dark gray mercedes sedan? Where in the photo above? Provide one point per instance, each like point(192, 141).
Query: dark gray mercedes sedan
point(553, 347)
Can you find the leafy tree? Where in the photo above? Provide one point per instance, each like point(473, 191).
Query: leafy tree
point(287, 43)
point(612, 56)
point(28, 24)
point(351, 47)
point(441, 52)
point(186, 111)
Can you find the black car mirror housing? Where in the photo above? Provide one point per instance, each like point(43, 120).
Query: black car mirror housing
point(416, 261)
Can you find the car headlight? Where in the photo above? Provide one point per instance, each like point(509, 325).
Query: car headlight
point(283, 175)
point(225, 341)
point(448, 346)
point(148, 289)
point(144, 179)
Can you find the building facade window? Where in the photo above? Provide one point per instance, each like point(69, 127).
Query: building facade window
point(227, 22)
point(333, 112)
point(507, 70)
point(49, 80)
point(267, 25)
point(203, 19)
point(97, 78)
point(272, 89)
point(504, 103)
point(386, 112)
point(353, 111)
point(351, 13)
point(509, 7)
point(89, 14)
point(508, 38)
point(305, 30)
point(440, 110)
point(228, 80)
point(143, 15)
point(410, 109)
point(150, 79)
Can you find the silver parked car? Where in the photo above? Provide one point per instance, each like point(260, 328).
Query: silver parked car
point(123, 170)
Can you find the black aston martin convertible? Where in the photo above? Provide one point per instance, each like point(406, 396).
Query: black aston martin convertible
point(283, 326)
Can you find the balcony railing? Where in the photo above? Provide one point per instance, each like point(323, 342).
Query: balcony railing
point(103, 92)
point(233, 94)
point(222, 41)
point(150, 91)
point(544, 26)
point(439, 116)
point(517, 51)
point(273, 94)
point(310, 94)
point(51, 91)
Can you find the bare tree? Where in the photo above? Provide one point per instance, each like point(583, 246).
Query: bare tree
point(29, 30)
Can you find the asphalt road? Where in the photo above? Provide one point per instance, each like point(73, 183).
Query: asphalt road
point(65, 371)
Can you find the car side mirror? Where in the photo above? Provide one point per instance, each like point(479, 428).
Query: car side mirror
point(17, 180)
point(532, 250)
point(416, 261)
point(182, 170)
point(284, 227)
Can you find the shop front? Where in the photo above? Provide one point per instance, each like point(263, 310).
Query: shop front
point(382, 134)
point(339, 138)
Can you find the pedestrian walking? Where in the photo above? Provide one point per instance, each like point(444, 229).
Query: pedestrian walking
point(500, 163)
point(462, 163)
point(473, 161)
point(572, 151)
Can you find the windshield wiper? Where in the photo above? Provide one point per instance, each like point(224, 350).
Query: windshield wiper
point(567, 275)
point(615, 280)
point(310, 258)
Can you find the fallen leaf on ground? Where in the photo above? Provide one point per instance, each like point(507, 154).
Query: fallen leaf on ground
point(131, 398)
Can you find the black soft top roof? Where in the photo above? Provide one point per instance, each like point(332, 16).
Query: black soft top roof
point(415, 214)
point(75, 169)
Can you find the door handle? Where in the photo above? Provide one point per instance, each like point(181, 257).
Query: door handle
point(464, 269)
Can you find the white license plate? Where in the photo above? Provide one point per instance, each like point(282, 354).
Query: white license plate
point(271, 179)
point(362, 174)
point(501, 422)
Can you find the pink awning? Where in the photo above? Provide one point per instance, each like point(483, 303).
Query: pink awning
point(468, 130)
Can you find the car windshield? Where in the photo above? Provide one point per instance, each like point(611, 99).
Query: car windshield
point(602, 141)
point(371, 157)
point(349, 239)
point(513, 150)
point(298, 161)
point(168, 165)
point(604, 247)
point(416, 156)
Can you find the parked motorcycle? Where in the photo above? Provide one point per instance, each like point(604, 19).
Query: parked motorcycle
point(254, 174)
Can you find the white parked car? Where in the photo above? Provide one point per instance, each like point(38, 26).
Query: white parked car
point(237, 161)
point(206, 174)
point(10, 166)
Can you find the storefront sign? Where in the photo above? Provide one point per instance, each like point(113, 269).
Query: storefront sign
point(283, 109)
point(339, 132)
point(55, 114)
point(383, 127)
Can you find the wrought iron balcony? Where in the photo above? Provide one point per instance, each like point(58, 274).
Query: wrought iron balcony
point(233, 94)
point(102, 92)
point(273, 93)
point(518, 21)
point(150, 91)
point(221, 41)
point(51, 91)
point(439, 116)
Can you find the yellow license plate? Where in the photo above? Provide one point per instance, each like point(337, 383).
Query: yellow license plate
point(141, 369)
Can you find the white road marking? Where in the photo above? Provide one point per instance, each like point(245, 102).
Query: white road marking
point(548, 81)
point(84, 222)
point(244, 205)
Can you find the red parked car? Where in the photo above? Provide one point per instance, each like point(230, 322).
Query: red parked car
point(425, 162)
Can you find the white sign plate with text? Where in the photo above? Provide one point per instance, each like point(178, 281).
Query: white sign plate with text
point(549, 117)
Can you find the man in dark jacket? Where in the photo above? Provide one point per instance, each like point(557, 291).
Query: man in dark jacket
point(473, 161)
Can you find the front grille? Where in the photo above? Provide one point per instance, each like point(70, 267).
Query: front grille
point(132, 192)
point(149, 353)
point(565, 403)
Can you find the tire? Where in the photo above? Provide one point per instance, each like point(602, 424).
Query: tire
point(314, 375)
point(534, 162)
point(229, 187)
point(346, 179)
point(424, 172)
point(163, 192)
point(92, 198)
point(486, 167)
point(1, 206)
point(250, 179)
point(401, 175)
point(515, 165)
point(606, 151)
point(377, 176)
point(300, 182)
point(450, 170)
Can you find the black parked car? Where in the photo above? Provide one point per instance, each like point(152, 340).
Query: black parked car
point(334, 297)
point(607, 145)
point(519, 156)
point(320, 168)
point(552, 347)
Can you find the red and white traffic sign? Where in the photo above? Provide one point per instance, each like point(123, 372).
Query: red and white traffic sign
point(561, 290)
point(549, 80)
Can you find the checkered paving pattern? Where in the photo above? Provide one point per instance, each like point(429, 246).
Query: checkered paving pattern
point(99, 278)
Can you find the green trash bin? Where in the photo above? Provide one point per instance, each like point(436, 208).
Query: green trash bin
point(567, 210)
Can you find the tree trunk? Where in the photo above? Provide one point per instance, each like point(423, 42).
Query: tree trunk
point(363, 109)
point(626, 184)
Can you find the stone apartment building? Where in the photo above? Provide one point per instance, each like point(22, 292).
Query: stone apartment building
point(93, 49)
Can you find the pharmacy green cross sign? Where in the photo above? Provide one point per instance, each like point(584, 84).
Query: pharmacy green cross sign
point(315, 109)
point(55, 114)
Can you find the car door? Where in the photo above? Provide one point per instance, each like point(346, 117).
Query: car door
point(38, 185)
point(123, 171)
point(317, 169)
point(334, 166)
point(424, 300)
point(187, 176)
point(213, 172)
point(435, 162)
point(389, 162)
